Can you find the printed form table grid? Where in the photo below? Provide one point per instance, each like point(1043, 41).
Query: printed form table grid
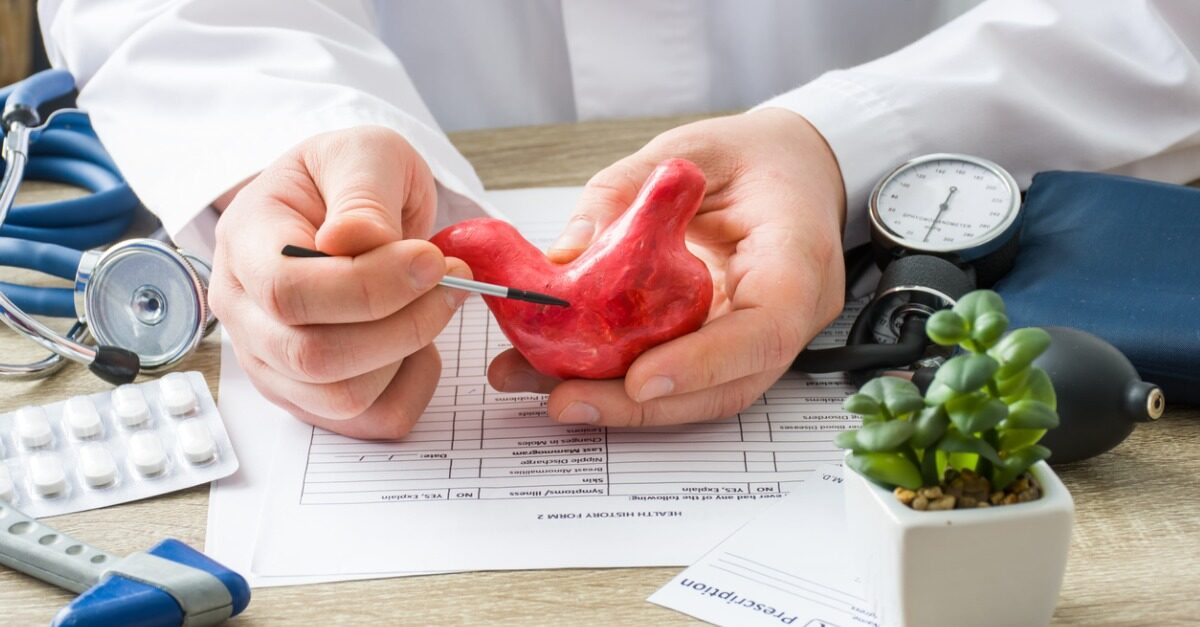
point(476, 443)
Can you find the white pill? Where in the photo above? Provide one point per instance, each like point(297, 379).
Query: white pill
point(129, 405)
point(97, 465)
point(6, 484)
point(46, 473)
point(196, 441)
point(32, 427)
point(177, 394)
point(147, 454)
point(81, 417)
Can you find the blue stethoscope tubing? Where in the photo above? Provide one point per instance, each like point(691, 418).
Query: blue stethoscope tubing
point(49, 237)
point(52, 259)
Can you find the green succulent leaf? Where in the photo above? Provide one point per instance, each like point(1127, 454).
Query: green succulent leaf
point(955, 442)
point(976, 412)
point(1037, 387)
point(899, 396)
point(1021, 459)
point(928, 426)
point(939, 394)
point(1017, 350)
point(862, 405)
point(988, 328)
point(946, 328)
point(884, 436)
point(1040, 388)
point(961, 461)
point(847, 439)
point(929, 466)
point(974, 304)
point(1014, 384)
point(1030, 414)
point(889, 469)
point(966, 373)
point(1013, 439)
point(1016, 463)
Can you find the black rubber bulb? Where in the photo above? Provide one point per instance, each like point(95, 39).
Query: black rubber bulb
point(1100, 395)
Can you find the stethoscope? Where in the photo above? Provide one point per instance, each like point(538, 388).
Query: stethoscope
point(143, 301)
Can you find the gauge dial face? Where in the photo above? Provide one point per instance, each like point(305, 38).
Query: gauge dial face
point(945, 203)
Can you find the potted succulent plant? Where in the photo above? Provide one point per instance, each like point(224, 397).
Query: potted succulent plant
point(957, 518)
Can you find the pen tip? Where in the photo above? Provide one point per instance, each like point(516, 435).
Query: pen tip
point(300, 251)
point(535, 297)
point(549, 300)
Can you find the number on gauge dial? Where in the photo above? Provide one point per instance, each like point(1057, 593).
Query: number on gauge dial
point(944, 204)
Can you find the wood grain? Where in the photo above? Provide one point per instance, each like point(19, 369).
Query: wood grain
point(1135, 556)
point(16, 20)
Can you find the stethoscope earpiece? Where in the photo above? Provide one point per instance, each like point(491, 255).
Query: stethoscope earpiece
point(115, 365)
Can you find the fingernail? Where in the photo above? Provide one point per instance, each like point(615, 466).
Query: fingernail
point(578, 413)
point(455, 297)
point(426, 270)
point(577, 234)
point(520, 381)
point(655, 387)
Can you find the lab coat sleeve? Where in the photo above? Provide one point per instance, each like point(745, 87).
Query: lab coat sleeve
point(191, 97)
point(1034, 85)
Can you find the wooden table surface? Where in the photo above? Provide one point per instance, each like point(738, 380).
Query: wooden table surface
point(1135, 556)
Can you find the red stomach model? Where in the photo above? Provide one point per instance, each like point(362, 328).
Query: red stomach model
point(635, 287)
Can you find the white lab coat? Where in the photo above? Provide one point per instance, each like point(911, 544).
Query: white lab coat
point(193, 96)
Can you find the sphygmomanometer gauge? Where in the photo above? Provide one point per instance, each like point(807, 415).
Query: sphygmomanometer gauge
point(941, 224)
point(964, 209)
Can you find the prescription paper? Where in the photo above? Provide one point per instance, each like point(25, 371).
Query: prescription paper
point(487, 481)
point(789, 566)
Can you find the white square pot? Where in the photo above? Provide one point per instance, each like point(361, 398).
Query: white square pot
point(999, 566)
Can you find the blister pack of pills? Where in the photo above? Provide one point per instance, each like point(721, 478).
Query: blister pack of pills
point(129, 443)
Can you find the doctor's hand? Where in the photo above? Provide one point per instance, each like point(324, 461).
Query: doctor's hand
point(344, 342)
point(769, 230)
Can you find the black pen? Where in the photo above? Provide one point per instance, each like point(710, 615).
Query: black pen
point(478, 287)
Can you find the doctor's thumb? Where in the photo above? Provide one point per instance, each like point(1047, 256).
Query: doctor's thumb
point(356, 228)
point(375, 187)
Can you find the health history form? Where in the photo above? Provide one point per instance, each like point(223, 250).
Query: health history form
point(479, 444)
point(487, 481)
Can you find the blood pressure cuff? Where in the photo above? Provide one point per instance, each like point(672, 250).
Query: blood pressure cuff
point(1118, 257)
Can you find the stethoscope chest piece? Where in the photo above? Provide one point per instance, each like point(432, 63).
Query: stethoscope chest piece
point(144, 296)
